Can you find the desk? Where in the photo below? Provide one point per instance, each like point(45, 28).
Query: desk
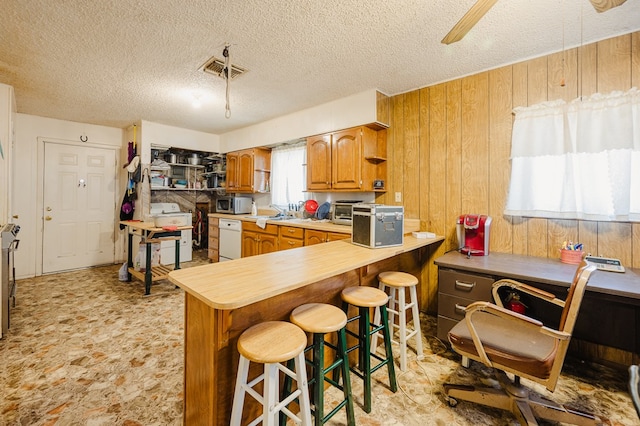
point(224, 299)
point(149, 234)
point(610, 311)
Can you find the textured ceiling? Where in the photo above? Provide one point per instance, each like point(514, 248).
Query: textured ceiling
point(112, 62)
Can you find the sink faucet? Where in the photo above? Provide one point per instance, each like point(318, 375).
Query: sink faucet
point(280, 210)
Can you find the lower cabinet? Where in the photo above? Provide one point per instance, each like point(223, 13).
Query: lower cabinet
point(213, 251)
point(312, 236)
point(256, 240)
point(456, 290)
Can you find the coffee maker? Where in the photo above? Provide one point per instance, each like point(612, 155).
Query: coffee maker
point(473, 234)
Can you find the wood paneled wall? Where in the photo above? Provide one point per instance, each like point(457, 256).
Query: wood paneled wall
point(449, 147)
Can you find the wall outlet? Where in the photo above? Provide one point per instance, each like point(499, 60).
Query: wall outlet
point(398, 197)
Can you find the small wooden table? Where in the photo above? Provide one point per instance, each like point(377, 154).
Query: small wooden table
point(149, 234)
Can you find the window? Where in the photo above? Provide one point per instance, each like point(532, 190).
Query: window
point(577, 160)
point(288, 178)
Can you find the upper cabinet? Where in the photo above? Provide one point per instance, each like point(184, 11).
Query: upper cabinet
point(347, 160)
point(249, 170)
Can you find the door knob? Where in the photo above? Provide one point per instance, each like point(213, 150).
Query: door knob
point(15, 216)
point(47, 218)
point(48, 209)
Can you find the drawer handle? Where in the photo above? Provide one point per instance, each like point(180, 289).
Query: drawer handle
point(460, 309)
point(291, 231)
point(465, 286)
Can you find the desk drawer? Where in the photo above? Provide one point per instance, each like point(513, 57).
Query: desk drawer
point(468, 286)
point(452, 306)
point(444, 325)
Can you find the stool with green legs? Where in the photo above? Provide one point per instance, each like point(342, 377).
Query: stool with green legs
point(364, 299)
point(321, 319)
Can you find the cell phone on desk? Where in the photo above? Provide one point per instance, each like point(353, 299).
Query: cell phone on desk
point(606, 263)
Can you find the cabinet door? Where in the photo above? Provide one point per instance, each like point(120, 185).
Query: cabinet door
point(232, 171)
point(249, 243)
point(346, 159)
point(311, 237)
point(267, 243)
point(244, 171)
point(319, 162)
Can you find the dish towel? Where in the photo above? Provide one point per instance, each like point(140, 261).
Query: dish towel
point(262, 222)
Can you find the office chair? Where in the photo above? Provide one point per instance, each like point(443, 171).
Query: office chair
point(514, 343)
point(634, 386)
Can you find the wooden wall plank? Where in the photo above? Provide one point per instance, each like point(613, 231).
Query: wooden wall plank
point(635, 59)
point(500, 124)
point(453, 160)
point(635, 246)
point(424, 160)
point(411, 153)
point(437, 152)
point(475, 144)
point(537, 78)
point(588, 235)
point(396, 151)
point(519, 98)
point(563, 67)
point(614, 240)
point(614, 64)
point(587, 70)
point(559, 232)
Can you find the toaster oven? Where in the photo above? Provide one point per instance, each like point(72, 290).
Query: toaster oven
point(341, 211)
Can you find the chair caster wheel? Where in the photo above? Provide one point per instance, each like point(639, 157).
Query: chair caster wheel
point(451, 401)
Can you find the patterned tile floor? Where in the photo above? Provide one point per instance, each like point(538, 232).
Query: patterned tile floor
point(87, 349)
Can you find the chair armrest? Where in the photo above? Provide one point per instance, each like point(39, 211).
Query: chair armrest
point(634, 386)
point(524, 288)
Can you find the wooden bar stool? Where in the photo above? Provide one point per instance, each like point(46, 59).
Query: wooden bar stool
point(398, 282)
point(365, 298)
point(271, 343)
point(320, 319)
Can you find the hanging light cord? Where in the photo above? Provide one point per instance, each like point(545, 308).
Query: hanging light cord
point(227, 76)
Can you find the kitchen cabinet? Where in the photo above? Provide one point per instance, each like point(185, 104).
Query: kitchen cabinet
point(312, 236)
point(213, 250)
point(256, 240)
point(347, 160)
point(249, 170)
point(290, 237)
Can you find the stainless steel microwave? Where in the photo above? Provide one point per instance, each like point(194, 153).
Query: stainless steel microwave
point(233, 205)
point(341, 212)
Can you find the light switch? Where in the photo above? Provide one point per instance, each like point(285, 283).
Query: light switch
point(398, 197)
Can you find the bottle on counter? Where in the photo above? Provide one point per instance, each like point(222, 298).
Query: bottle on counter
point(254, 209)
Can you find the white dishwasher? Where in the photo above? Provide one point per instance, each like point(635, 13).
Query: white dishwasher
point(230, 239)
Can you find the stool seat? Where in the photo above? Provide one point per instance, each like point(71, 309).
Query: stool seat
point(397, 279)
point(366, 297)
point(319, 318)
point(272, 341)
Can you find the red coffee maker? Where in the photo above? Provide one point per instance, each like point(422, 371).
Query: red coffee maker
point(473, 234)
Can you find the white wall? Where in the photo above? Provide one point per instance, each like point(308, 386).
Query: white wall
point(29, 130)
point(343, 113)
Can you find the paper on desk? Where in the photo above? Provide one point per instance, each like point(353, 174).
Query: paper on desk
point(262, 222)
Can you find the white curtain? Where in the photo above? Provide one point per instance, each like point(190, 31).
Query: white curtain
point(578, 160)
point(288, 179)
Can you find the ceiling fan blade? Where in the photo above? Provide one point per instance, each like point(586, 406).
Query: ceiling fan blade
point(604, 5)
point(469, 19)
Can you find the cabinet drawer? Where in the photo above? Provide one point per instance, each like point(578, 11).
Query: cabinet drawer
point(452, 306)
point(214, 230)
point(468, 286)
point(214, 243)
point(291, 232)
point(289, 243)
point(253, 227)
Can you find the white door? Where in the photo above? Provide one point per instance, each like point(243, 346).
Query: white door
point(79, 207)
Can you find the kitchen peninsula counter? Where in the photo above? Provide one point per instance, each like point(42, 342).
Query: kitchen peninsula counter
point(224, 299)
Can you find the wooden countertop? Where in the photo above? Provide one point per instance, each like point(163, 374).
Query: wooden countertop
point(545, 270)
point(236, 283)
point(150, 226)
point(298, 223)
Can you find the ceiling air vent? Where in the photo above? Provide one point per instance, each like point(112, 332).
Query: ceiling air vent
point(215, 66)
